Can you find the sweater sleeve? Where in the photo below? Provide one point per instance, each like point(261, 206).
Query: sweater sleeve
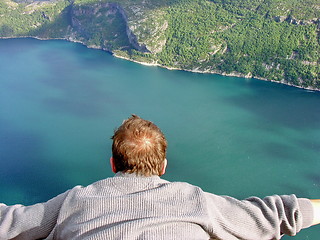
point(29, 222)
point(256, 218)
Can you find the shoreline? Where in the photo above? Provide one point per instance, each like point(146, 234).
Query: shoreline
point(232, 74)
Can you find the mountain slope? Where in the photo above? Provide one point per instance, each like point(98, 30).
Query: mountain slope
point(269, 39)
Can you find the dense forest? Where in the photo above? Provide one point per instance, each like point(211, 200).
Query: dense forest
point(267, 39)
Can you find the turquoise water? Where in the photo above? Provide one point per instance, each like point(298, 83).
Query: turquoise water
point(60, 102)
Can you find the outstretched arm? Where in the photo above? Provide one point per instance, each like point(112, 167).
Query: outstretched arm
point(316, 211)
point(256, 218)
point(30, 222)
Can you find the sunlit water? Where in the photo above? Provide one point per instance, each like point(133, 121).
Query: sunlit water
point(60, 102)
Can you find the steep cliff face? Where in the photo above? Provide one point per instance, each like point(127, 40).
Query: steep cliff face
point(108, 25)
point(131, 36)
point(147, 27)
point(99, 25)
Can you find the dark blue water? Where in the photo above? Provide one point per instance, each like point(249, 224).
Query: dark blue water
point(60, 102)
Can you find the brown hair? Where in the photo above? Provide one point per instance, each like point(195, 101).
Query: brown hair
point(139, 147)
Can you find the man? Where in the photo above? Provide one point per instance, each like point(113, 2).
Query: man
point(137, 204)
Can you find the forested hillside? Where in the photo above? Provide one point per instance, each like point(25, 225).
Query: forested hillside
point(268, 39)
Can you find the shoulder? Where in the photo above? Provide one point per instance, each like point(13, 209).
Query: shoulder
point(91, 188)
point(184, 188)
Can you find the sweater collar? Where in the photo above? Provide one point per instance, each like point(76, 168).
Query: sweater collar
point(134, 175)
point(131, 182)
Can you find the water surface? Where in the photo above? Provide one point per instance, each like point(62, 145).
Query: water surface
point(60, 102)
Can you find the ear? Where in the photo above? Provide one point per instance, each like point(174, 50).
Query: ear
point(113, 166)
point(165, 163)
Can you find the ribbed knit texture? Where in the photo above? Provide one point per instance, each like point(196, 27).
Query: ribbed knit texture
point(134, 207)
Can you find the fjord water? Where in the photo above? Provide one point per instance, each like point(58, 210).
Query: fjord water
point(60, 102)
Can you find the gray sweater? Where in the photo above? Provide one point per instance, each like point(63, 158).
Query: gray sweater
point(127, 206)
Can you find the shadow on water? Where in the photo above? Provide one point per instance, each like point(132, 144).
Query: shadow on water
point(71, 87)
point(24, 167)
point(309, 144)
point(281, 151)
point(283, 105)
point(77, 92)
point(71, 106)
point(64, 49)
point(79, 97)
point(13, 47)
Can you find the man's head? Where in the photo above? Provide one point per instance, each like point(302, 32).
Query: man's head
point(139, 147)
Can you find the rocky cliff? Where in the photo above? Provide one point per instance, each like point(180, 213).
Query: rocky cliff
point(145, 29)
